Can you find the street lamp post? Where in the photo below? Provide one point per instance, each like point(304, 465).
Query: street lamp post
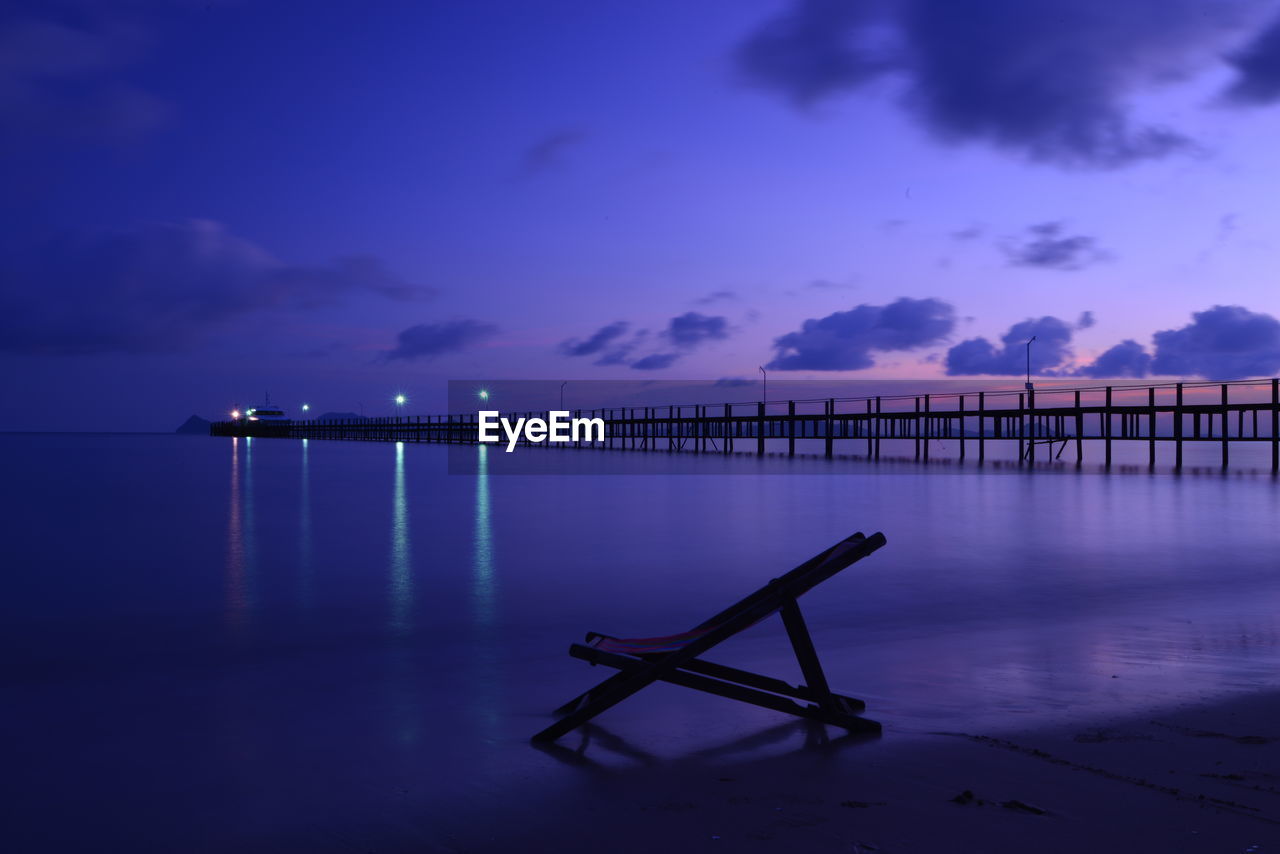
point(766, 384)
point(562, 385)
point(1029, 385)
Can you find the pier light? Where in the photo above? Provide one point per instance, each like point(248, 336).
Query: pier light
point(400, 399)
point(235, 415)
point(484, 394)
point(306, 407)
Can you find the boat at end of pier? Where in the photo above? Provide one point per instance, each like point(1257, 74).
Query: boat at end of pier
point(267, 412)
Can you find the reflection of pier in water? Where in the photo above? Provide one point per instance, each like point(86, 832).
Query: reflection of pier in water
point(1044, 422)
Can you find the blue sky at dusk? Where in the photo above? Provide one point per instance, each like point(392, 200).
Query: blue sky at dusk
point(336, 201)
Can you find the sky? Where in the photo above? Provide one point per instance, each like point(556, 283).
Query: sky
point(337, 202)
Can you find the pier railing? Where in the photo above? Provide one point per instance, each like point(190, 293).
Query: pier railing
point(1045, 422)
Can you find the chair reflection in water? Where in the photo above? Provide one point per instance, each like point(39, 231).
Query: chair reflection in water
point(675, 658)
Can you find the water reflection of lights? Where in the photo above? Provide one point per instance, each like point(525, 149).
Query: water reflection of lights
point(240, 537)
point(305, 570)
point(482, 556)
point(487, 662)
point(401, 584)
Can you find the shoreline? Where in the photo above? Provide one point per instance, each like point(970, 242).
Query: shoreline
point(1197, 777)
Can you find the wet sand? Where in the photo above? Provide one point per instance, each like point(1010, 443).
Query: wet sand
point(1200, 777)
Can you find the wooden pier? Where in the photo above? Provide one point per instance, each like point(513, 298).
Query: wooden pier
point(1043, 423)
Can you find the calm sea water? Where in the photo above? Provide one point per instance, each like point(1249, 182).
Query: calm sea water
point(214, 644)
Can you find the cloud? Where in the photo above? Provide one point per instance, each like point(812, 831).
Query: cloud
point(846, 340)
point(1048, 247)
point(427, 341)
point(549, 152)
point(598, 340)
point(1126, 359)
point(1051, 80)
point(687, 332)
point(1258, 69)
point(816, 49)
point(606, 343)
point(716, 296)
point(979, 356)
point(1222, 342)
point(1085, 321)
point(161, 287)
point(655, 362)
point(64, 79)
point(692, 329)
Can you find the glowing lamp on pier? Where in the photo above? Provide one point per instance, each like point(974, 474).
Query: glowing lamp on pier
point(306, 407)
point(400, 400)
point(483, 394)
point(235, 415)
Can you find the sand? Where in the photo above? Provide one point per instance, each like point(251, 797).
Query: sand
point(1200, 777)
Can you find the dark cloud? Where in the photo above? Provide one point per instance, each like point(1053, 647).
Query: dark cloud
point(817, 48)
point(979, 356)
point(687, 332)
point(1258, 68)
point(1126, 359)
point(846, 340)
point(549, 151)
point(1048, 247)
point(655, 362)
point(608, 343)
point(692, 329)
point(598, 341)
point(161, 287)
point(1085, 321)
point(1222, 342)
point(64, 78)
point(426, 341)
point(716, 296)
point(616, 356)
point(1051, 80)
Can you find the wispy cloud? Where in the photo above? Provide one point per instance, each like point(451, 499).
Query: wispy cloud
point(428, 341)
point(163, 287)
point(550, 151)
point(1047, 246)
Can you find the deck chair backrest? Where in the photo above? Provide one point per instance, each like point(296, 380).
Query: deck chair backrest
point(803, 578)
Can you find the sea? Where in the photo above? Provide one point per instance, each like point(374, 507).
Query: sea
point(267, 644)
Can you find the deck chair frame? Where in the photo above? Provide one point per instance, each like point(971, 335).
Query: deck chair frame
point(683, 666)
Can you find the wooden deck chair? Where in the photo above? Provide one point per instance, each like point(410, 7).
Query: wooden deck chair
point(674, 658)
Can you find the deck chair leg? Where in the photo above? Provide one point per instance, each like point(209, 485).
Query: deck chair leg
point(810, 666)
point(587, 695)
point(604, 696)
